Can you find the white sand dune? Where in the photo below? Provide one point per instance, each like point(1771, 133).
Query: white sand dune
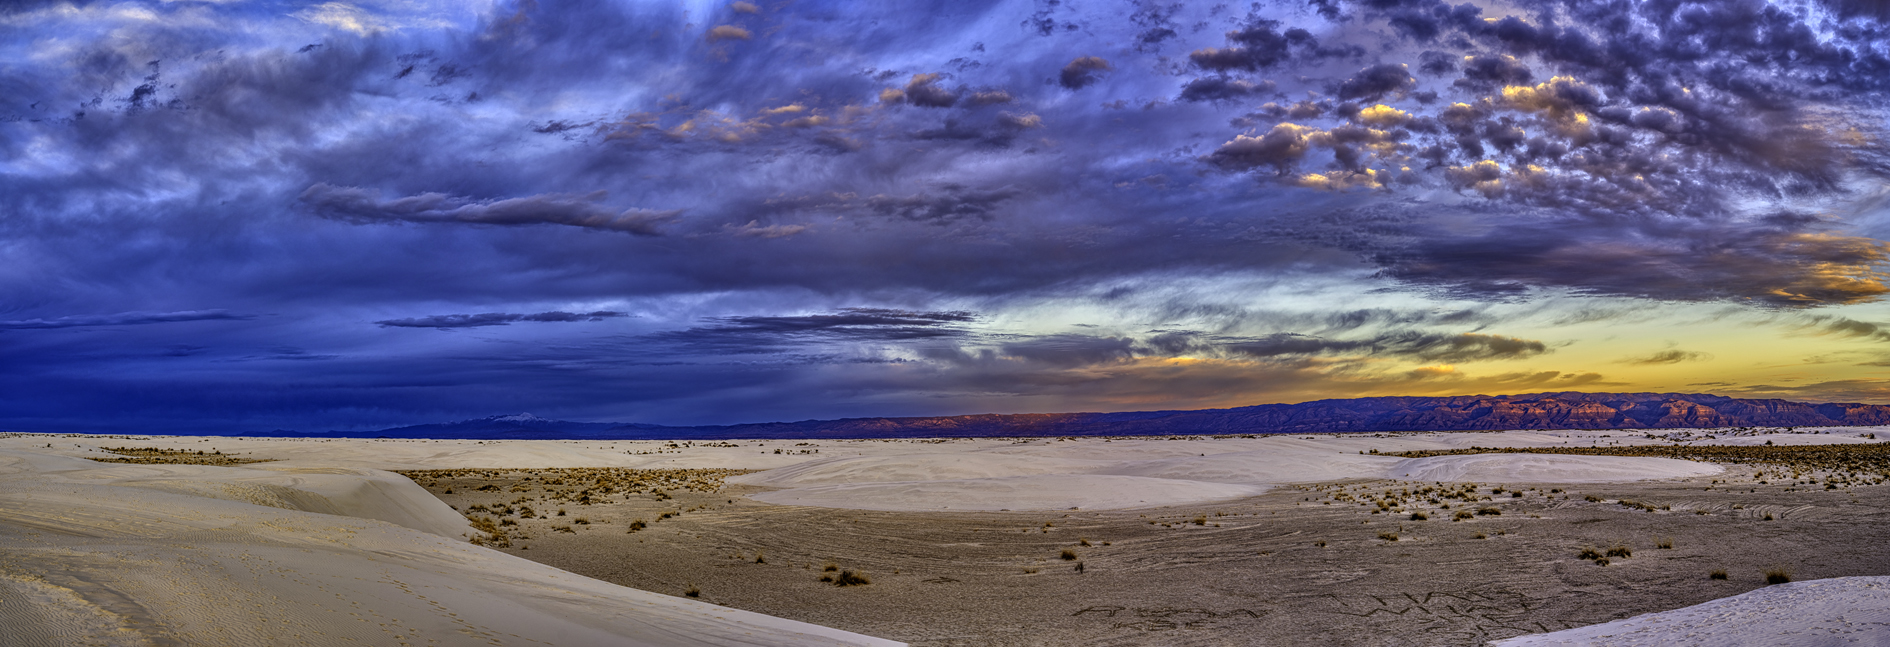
point(323, 547)
point(167, 554)
point(1133, 473)
point(1018, 493)
point(917, 467)
point(1263, 467)
point(1817, 613)
point(1547, 468)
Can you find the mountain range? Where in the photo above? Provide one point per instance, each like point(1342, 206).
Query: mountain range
point(1567, 410)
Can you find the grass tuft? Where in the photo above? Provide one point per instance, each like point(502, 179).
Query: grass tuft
point(1717, 574)
point(1777, 575)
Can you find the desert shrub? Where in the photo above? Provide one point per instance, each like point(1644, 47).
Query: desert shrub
point(1777, 575)
point(1480, 535)
point(1664, 543)
point(1592, 499)
point(1419, 516)
point(1589, 552)
point(564, 528)
point(1717, 574)
point(1461, 515)
point(582, 521)
point(638, 525)
point(1487, 511)
point(1069, 555)
point(693, 592)
point(1388, 536)
point(830, 567)
point(1620, 550)
point(850, 578)
point(1321, 543)
point(1768, 516)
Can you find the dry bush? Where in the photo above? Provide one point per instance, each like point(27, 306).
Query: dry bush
point(1717, 574)
point(1777, 575)
point(1069, 555)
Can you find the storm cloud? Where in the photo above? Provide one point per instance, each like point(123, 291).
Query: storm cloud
point(767, 201)
point(444, 322)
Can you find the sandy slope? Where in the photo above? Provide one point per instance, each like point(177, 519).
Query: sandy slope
point(1819, 613)
point(136, 554)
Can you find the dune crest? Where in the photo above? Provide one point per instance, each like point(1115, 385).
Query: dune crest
point(181, 554)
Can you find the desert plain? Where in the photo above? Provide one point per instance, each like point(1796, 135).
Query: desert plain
point(1340, 539)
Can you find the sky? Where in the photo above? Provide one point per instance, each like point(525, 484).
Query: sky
point(228, 215)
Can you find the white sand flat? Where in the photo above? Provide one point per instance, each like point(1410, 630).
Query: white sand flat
point(193, 555)
point(1016, 493)
point(1818, 613)
point(1547, 468)
point(917, 467)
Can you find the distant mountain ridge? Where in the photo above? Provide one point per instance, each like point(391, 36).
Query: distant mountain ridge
point(1566, 410)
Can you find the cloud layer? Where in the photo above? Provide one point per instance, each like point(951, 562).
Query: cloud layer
point(927, 208)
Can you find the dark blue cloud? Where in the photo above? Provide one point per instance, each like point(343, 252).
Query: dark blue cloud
point(120, 319)
point(715, 174)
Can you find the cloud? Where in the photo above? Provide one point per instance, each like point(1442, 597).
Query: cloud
point(1760, 266)
point(754, 228)
point(1261, 45)
point(771, 333)
point(952, 202)
point(365, 206)
point(1082, 72)
point(1221, 88)
point(1375, 82)
point(120, 319)
point(924, 91)
point(1072, 350)
point(444, 322)
point(341, 15)
point(1620, 158)
point(1670, 356)
point(1421, 346)
point(728, 32)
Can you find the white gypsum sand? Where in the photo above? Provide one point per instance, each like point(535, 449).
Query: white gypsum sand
point(256, 554)
point(283, 555)
point(1818, 613)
